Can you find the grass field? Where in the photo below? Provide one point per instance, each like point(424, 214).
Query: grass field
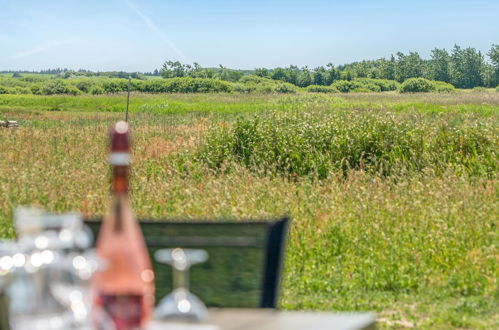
point(393, 197)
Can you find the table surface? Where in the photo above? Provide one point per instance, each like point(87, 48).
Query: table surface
point(269, 319)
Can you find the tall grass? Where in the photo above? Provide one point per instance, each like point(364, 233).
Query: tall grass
point(319, 143)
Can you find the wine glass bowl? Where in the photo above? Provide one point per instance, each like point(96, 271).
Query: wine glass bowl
point(181, 303)
point(49, 258)
point(70, 286)
point(9, 260)
point(41, 231)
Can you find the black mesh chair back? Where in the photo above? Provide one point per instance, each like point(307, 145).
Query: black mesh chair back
point(244, 265)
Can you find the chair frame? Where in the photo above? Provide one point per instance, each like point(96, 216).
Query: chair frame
point(274, 248)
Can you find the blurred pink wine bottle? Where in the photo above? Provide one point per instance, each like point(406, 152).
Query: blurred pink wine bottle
point(125, 288)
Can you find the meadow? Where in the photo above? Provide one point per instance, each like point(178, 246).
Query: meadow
point(393, 197)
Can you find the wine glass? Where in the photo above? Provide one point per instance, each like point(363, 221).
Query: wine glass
point(181, 303)
point(70, 286)
point(45, 241)
point(39, 231)
point(7, 266)
point(8, 262)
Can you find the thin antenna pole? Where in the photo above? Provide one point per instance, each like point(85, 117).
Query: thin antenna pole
point(128, 98)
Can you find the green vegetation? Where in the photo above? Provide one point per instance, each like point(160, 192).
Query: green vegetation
point(393, 196)
point(443, 87)
point(247, 84)
point(112, 85)
point(321, 89)
point(318, 143)
point(463, 68)
point(384, 85)
point(417, 85)
point(346, 86)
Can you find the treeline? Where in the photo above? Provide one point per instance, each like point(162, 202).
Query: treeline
point(175, 69)
point(67, 73)
point(461, 67)
point(47, 71)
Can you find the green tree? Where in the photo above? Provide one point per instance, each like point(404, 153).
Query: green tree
point(346, 75)
point(467, 66)
point(278, 74)
point(387, 68)
point(292, 73)
point(361, 69)
point(262, 72)
point(229, 74)
point(439, 65)
point(332, 74)
point(304, 77)
point(494, 60)
point(319, 76)
point(172, 69)
point(408, 66)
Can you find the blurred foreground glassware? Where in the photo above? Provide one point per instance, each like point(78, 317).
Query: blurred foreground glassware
point(7, 264)
point(38, 230)
point(181, 304)
point(8, 250)
point(45, 242)
point(70, 286)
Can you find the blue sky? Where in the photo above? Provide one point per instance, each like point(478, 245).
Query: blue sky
point(135, 35)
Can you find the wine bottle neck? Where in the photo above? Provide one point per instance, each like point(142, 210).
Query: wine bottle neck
point(120, 180)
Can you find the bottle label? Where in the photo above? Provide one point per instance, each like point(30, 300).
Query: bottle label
point(124, 310)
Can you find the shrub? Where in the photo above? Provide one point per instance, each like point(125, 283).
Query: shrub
point(71, 90)
point(97, 90)
point(284, 88)
point(13, 82)
point(3, 90)
point(497, 88)
point(84, 85)
point(19, 90)
point(138, 85)
point(361, 90)
point(34, 79)
point(417, 85)
point(385, 85)
point(321, 89)
point(186, 85)
point(36, 89)
point(255, 79)
point(54, 86)
point(244, 88)
point(479, 89)
point(443, 87)
point(346, 86)
point(264, 88)
point(256, 84)
point(114, 85)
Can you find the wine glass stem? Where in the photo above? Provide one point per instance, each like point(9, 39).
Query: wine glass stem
point(181, 279)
